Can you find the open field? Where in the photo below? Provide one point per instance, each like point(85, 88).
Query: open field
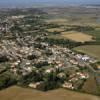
point(58, 20)
point(92, 50)
point(77, 36)
point(90, 86)
point(17, 93)
point(55, 29)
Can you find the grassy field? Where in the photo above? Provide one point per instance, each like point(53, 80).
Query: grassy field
point(17, 93)
point(77, 36)
point(92, 50)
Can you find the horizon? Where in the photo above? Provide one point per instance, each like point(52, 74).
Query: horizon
point(32, 3)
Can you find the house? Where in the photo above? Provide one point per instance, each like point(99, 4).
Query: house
point(82, 75)
point(61, 75)
point(15, 64)
point(44, 44)
point(29, 69)
point(37, 85)
point(17, 17)
point(28, 63)
point(73, 80)
point(67, 85)
point(74, 62)
point(92, 60)
point(79, 56)
point(81, 64)
point(50, 70)
point(85, 58)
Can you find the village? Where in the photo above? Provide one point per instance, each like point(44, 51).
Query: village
point(39, 65)
point(54, 58)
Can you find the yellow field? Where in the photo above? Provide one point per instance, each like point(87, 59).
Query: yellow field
point(17, 93)
point(92, 50)
point(55, 29)
point(77, 36)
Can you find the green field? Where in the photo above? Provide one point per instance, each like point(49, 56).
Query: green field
point(92, 50)
point(17, 93)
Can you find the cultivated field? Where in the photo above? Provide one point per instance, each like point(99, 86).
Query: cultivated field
point(92, 50)
point(77, 36)
point(17, 93)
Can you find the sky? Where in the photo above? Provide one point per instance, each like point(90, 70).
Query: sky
point(16, 3)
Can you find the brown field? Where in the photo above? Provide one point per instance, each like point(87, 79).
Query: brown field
point(77, 36)
point(18, 93)
point(55, 29)
point(90, 86)
point(69, 32)
point(92, 50)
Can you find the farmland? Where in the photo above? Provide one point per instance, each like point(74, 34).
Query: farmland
point(92, 50)
point(17, 93)
point(77, 36)
point(70, 35)
point(73, 15)
point(90, 86)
